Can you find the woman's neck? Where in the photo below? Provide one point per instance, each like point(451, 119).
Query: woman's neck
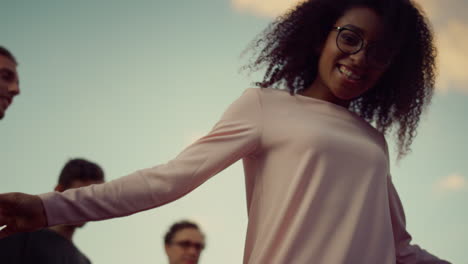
point(319, 91)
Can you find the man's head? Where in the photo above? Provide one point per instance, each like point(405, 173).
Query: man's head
point(184, 243)
point(9, 80)
point(79, 173)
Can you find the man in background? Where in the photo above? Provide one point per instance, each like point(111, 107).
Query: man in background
point(53, 245)
point(9, 80)
point(184, 243)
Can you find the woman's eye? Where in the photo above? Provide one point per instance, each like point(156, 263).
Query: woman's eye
point(349, 39)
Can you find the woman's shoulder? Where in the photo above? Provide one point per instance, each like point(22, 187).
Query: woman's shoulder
point(267, 93)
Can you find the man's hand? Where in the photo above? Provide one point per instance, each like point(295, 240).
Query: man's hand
point(21, 212)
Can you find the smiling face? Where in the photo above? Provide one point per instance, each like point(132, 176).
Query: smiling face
point(342, 77)
point(9, 83)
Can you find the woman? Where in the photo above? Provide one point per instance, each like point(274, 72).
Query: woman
point(317, 172)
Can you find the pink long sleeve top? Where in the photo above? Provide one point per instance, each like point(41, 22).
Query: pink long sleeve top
point(317, 184)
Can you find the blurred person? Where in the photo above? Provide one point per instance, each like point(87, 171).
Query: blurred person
point(53, 245)
point(184, 243)
point(9, 80)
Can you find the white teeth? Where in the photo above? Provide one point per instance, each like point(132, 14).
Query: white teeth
point(348, 73)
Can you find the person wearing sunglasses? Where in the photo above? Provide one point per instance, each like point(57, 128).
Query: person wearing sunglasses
point(184, 243)
point(340, 75)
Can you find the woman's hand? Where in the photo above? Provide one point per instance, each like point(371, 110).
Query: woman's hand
point(21, 212)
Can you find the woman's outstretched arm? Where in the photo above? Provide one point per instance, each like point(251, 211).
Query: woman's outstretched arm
point(236, 135)
point(406, 253)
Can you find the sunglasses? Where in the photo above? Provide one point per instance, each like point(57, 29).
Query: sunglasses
point(185, 244)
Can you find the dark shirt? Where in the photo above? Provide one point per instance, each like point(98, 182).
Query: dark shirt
point(41, 247)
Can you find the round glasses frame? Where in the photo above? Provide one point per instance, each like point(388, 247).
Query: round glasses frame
point(376, 56)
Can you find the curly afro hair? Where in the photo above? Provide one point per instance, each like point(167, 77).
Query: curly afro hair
point(288, 49)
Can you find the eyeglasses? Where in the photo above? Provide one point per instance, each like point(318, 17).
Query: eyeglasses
point(186, 244)
point(350, 42)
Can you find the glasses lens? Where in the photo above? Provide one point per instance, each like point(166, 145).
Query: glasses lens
point(348, 41)
point(184, 244)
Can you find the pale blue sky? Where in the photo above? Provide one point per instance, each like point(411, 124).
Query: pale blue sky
point(128, 84)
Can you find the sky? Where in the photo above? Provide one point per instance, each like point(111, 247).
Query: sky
point(129, 84)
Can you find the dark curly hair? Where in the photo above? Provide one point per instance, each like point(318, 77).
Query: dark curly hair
point(289, 49)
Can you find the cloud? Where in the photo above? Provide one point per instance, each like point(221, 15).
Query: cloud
point(273, 8)
point(429, 7)
point(264, 8)
point(451, 38)
point(452, 183)
point(452, 42)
